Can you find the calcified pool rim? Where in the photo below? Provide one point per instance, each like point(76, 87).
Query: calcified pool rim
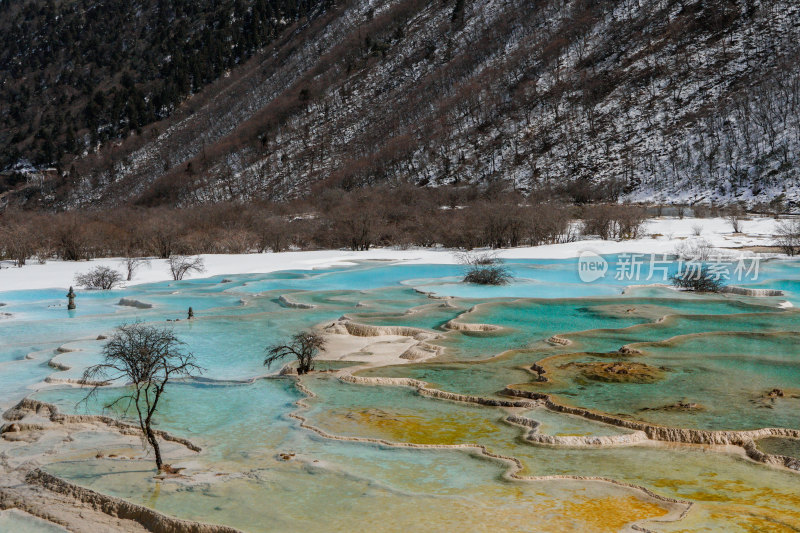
point(426, 350)
point(642, 431)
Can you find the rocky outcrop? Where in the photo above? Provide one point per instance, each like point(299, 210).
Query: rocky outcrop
point(455, 325)
point(432, 295)
point(285, 301)
point(421, 351)
point(557, 340)
point(752, 451)
point(127, 302)
point(524, 421)
point(52, 363)
point(744, 291)
point(368, 330)
point(618, 372)
point(151, 520)
point(28, 406)
point(81, 382)
point(680, 405)
point(587, 441)
point(627, 350)
point(540, 372)
point(64, 349)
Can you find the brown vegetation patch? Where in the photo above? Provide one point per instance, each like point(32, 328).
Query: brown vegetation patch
point(618, 372)
point(680, 405)
point(768, 398)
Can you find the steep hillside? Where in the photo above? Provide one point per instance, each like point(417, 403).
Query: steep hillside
point(675, 100)
point(75, 73)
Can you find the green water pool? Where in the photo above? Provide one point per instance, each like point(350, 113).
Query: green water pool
point(721, 355)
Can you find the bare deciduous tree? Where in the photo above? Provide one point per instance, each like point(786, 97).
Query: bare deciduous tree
point(304, 346)
point(273, 235)
point(788, 232)
point(736, 222)
point(148, 357)
point(132, 264)
point(17, 243)
point(101, 277)
point(611, 221)
point(694, 250)
point(180, 265)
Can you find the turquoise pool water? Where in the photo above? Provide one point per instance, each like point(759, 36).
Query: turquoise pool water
point(722, 354)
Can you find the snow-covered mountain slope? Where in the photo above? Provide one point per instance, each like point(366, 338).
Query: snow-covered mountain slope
point(669, 100)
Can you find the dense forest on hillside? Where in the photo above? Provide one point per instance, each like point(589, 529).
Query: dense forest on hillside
point(75, 73)
point(674, 101)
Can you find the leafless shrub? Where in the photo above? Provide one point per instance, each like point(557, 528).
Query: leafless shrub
point(356, 221)
point(698, 280)
point(161, 232)
point(73, 238)
point(502, 223)
point(235, 241)
point(273, 235)
point(547, 224)
point(697, 229)
point(611, 221)
point(701, 211)
point(101, 277)
point(180, 265)
point(736, 222)
point(483, 269)
point(17, 242)
point(132, 264)
point(788, 236)
point(694, 250)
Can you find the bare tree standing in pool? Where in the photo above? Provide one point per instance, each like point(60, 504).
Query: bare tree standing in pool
point(148, 357)
point(304, 346)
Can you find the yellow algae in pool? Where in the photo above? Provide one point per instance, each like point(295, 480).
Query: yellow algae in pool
point(728, 490)
point(730, 518)
point(456, 428)
point(610, 513)
point(766, 521)
point(583, 514)
point(735, 502)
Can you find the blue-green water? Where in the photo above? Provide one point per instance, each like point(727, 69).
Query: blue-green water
point(723, 354)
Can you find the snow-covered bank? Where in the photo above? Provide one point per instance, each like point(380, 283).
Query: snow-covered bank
point(663, 235)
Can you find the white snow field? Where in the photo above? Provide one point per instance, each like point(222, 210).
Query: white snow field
point(662, 235)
